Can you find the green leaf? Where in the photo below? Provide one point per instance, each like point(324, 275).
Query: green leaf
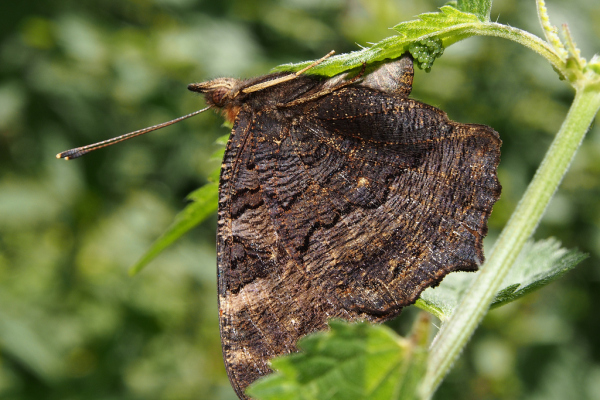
point(351, 361)
point(204, 203)
point(222, 140)
point(537, 265)
point(218, 155)
point(449, 24)
point(215, 175)
point(481, 8)
point(448, 21)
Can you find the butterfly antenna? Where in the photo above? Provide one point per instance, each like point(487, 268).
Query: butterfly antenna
point(79, 151)
point(277, 81)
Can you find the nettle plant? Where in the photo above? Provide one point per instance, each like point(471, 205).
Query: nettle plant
point(364, 361)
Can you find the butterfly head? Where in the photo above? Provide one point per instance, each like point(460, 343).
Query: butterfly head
point(220, 93)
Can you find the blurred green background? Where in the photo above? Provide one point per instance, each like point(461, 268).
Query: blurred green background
point(74, 325)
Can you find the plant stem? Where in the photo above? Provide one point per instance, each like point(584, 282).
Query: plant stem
point(522, 37)
point(456, 332)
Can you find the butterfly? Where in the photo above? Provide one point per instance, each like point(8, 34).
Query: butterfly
point(338, 198)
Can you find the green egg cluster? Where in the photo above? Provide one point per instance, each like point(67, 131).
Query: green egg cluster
point(426, 51)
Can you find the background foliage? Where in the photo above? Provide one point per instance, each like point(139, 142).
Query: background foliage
point(73, 325)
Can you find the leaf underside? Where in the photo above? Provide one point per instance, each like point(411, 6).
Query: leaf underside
point(538, 264)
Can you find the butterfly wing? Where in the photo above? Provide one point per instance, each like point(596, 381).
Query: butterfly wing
point(266, 302)
point(377, 197)
point(349, 206)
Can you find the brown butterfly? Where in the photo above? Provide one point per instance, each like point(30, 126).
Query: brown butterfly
point(339, 198)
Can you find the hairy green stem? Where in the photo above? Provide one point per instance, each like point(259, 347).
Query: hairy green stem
point(456, 332)
point(520, 36)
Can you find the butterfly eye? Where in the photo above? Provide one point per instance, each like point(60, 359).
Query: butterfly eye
point(218, 96)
